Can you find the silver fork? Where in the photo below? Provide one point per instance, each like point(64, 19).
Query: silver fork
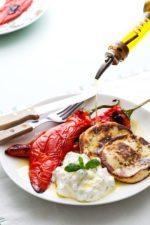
point(62, 115)
point(2, 220)
point(24, 128)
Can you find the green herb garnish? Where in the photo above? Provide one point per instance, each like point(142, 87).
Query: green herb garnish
point(91, 164)
point(81, 163)
point(72, 167)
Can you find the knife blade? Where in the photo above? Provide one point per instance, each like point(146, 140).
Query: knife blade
point(36, 112)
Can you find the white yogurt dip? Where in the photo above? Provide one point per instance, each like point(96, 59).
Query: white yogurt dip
point(82, 185)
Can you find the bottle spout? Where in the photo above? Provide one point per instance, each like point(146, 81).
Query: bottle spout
point(108, 61)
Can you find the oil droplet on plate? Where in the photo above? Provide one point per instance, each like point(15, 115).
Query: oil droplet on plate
point(22, 163)
point(118, 184)
point(135, 127)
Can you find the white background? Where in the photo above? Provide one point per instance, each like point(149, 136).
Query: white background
point(61, 53)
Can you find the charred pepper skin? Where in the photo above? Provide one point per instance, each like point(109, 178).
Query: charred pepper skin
point(49, 150)
point(18, 150)
point(21, 150)
point(114, 114)
point(13, 9)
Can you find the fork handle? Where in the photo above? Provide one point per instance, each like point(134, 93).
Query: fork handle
point(7, 135)
point(16, 118)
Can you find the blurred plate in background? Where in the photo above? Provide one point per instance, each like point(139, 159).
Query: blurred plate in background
point(34, 12)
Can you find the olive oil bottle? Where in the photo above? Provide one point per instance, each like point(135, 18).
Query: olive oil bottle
point(119, 51)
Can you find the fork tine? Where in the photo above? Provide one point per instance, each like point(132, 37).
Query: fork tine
point(61, 116)
point(64, 110)
point(69, 112)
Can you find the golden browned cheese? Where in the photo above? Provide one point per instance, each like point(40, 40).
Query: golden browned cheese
point(93, 139)
point(128, 159)
point(126, 156)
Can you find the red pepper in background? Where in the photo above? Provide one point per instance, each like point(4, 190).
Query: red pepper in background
point(117, 114)
point(13, 9)
point(114, 114)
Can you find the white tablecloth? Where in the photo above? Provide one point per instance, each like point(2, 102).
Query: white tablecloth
point(59, 54)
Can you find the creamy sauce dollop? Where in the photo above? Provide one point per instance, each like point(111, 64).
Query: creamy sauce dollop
point(82, 185)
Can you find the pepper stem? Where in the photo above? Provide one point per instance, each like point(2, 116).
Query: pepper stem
point(117, 102)
point(130, 111)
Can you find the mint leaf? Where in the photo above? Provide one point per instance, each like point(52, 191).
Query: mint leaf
point(93, 163)
point(72, 167)
point(81, 163)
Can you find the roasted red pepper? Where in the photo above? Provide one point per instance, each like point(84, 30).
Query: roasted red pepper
point(18, 150)
point(21, 150)
point(50, 148)
point(48, 151)
point(13, 9)
point(114, 114)
point(117, 114)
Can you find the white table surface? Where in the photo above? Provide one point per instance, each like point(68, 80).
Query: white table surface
point(61, 54)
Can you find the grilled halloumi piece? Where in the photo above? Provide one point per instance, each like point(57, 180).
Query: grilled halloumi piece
point(126, 156)
point(127, 159)
point(93, 139)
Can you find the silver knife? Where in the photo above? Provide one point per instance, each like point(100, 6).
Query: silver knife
point(36, 112)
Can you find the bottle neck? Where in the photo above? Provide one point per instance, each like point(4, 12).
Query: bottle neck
point(121, 50)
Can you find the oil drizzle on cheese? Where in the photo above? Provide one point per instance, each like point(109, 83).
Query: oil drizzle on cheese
point(135, 126)
point(117, 184)
point(96, 99)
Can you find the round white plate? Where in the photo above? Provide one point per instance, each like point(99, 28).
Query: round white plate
point(34, 12)
point(17, 169)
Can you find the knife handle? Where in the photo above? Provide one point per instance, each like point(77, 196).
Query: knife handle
point(16, 118)
point(7, 135)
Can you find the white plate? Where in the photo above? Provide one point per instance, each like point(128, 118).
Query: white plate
point(17, 169)
point(34, 12)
